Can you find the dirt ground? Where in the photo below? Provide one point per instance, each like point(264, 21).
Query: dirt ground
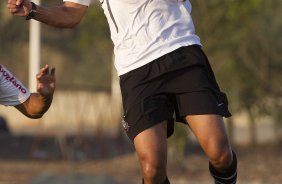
point(40, 160)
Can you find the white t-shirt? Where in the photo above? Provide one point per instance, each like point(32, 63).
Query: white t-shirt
point(12, 91)
point(144, 30)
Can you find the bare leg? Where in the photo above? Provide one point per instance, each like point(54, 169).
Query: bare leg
point(151, 148)
point(211, 134)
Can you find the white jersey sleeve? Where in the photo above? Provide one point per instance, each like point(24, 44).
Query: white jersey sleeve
point(12, 91)
point(83, 2)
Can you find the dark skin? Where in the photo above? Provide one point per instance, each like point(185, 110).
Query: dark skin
point(151, 144)
point(67, 15)
point(38, 103)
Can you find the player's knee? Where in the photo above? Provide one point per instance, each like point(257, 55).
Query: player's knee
point(221, 159)
point(154, 172)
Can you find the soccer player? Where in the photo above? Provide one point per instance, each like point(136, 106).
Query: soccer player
point(163, 71)
point(32, 105)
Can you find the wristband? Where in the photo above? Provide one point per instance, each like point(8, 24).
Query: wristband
point(32, 12)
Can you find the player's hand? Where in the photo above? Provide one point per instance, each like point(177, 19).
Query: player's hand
point(19, 7)
point(46, 81)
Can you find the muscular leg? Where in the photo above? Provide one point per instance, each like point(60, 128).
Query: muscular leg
point(151, 148)
point(211, 135)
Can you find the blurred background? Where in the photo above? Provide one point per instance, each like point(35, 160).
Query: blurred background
point(80, 139)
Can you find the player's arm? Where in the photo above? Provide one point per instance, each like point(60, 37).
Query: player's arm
point(66, 15)
point(38, 103)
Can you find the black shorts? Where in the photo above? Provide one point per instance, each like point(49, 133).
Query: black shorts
point(175, 85)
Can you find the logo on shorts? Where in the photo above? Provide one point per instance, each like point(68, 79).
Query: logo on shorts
point(125, 125)
point(220, 104)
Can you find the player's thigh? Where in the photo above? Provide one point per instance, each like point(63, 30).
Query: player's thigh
point(151, 145)
point(210, 132)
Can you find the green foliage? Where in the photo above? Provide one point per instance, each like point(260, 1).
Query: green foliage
point(243, 42)
point(13, 39)
point(94, 41)
point(89, 64)
point(258, 56)
point(177, 144)
point(82, 56)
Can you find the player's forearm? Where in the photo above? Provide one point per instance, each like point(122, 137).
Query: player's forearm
point(66, 15)
point(36, 106)
point(61, 16)
point(39, 104)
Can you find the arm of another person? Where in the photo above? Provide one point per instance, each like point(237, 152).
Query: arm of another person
point(66, 15)
point(38, 103)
